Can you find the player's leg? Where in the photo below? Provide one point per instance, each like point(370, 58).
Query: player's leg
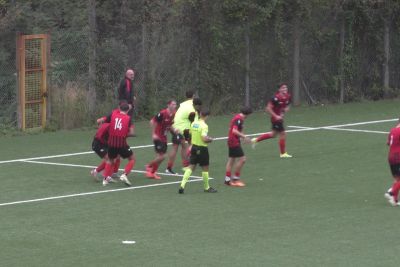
point(393, 193)
point(127, 152)
point(396, 189)
point(117, 163)
point(160, 148)
point(228, 169)
point(264, 136)
point(186, 177)
point(282, 145)
point(108, 170)
point(194, 159)
point(204, 162)
point(101, 150)
point(236, 181)
point(184, 154)
point(171, 158)
point(237, 162)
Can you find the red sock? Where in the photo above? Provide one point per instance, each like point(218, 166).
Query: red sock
point(395, 190)
point(116, 164)
point(265, 136)
point(101, 166)
point(108, 170)
point(228, 174)
point(237, 174)
point(129, 166)
point(185, 163)
point(155, 167)
point(150, 164)
point(282, 145)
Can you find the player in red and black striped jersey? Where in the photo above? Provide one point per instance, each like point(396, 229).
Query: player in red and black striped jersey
point(235, 148)
point(119, 129)
point(394, 163)
point(277, 107)
point(161, 125)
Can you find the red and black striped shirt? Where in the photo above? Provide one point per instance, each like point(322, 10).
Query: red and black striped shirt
point(119, 129)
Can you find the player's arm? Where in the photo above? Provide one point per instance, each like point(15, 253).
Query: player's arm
point(236, 132)
point(270, 109)
point(192, 116)
point(156, 119)
point(205, 137)
point(131, 132)
point(105, 119)
point(287, 108)
point(389, 139)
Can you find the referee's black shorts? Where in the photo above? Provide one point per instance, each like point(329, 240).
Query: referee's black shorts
point(199, 155)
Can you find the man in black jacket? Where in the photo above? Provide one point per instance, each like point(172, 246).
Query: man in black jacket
point(126, 91)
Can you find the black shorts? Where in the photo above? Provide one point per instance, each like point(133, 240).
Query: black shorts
point(99, 148)
point(199, 155)
point(160, 146)
point(395, 169)
point(278, 126)
point(124, 152)
point(236, 152)
point(177, 139)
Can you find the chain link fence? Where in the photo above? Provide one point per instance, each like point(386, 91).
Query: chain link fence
point(174, 53)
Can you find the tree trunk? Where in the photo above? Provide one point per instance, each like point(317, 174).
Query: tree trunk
point(386, 47)
point(296, 62)
point(92, 55)
point(247, 74)
point(341, 58)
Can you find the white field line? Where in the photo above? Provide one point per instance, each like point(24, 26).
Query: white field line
point(92, 167)
point(354, 130)
point(91, 193)
point(338, 129)
point(300, 129)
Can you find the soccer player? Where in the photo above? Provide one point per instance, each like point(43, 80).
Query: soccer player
point(277, 107)
point(184, 116)
point(119, 129)
point(235, 148)
point(394, 163)
point(161, 125)
point(199, 152)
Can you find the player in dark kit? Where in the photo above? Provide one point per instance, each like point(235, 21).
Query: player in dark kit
point(119, 129)
point(161, 125)
point(235, 148)
point(394, 163)
point(277, 107)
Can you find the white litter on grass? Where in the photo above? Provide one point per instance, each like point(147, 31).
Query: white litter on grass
point(128, 242)
point(261, 179)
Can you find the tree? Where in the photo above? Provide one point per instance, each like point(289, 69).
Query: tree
point(92, 54)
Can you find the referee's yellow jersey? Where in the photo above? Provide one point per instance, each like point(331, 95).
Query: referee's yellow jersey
point(199, 129)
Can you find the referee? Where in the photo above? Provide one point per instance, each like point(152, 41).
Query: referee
point(199, 152)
